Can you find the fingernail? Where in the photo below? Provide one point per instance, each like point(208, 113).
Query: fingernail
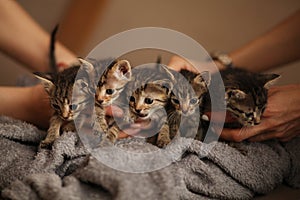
point(205, 117)
point(135, 125)
point(117, 112)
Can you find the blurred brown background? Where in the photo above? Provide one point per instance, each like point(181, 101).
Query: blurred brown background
point(215, 24)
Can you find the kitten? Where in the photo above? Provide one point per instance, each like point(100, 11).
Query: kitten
point(186, 98)
point(111, 84)
point(147, 101)
point(66, 100)
point(146, 94)
point(245, 95)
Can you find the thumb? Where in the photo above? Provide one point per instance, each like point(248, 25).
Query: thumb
point(218, 117)
point(238, 135)
point(114, 111)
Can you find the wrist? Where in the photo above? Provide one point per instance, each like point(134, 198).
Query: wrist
point(39, 107)
point(219, 65)
point(222, 59)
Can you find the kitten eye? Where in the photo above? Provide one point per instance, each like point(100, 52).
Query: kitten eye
point(110, 91)
point(175, 101)
point(56, 107)
point(193, 101)
point(73, 106)
point(132, 99)
point(148, 101)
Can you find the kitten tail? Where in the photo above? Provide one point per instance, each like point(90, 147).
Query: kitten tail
point(52, 58)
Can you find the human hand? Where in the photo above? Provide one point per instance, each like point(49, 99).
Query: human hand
point(142, 128)
point(133, 129)
point(178, 63)
point(281, 119)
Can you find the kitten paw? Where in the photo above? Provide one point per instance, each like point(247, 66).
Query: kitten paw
point(162, 143)
point(111, 137)
point(69, 128)
point(105, 142)
point(113, 134)
point(45, 144)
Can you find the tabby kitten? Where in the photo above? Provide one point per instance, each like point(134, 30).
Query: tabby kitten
point(109, 87)
point(147, 101)
point(245, 95)
point(66, 100)
point(146, 94)
point(186, 98)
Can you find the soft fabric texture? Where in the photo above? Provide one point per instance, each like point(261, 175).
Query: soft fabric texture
point(68, 171)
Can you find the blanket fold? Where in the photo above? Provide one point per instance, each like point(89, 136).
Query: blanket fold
point(68, 171)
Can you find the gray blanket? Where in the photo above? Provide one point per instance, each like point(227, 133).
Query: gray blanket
point(68, 171)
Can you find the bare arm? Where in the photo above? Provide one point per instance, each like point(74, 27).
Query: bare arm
point(30, 104)
point(24, 40)
point(276, 47)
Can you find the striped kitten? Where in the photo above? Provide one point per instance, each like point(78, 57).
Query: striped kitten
point(110, 86)
point(183, 109)
point(66, 100)
point(147, 101)
point(245, 97)
point(146, 94)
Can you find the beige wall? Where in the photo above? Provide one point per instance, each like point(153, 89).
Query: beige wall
point(215, 24)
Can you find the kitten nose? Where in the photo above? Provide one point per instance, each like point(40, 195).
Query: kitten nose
point(138, 111)
point(100, 101)
point(184, 108)
point(184, 111)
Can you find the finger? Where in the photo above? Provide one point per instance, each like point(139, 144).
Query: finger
point(122, 135)
point(136, 125)
point(114, 111)
point(218, 117)
point(286, 139)
point(131, 131)
point(142, 125)
point(262, 137)
point(238, 135)
point(231, 134)
point(177, 63)
point(289, 138)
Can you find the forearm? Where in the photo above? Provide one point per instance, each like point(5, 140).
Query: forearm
point(30, 104)
point(279, 46)
point(25, 40)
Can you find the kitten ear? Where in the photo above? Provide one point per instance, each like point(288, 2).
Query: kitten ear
point(165, 69)
point(235, 93)
point(87, 66)
point(86, 80)
point(46, 79)
point(123, 69)
point(269, 79)
point(203, 77)
point(164, 84)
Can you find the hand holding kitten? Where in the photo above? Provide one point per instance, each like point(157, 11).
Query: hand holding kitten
point(280, 120)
